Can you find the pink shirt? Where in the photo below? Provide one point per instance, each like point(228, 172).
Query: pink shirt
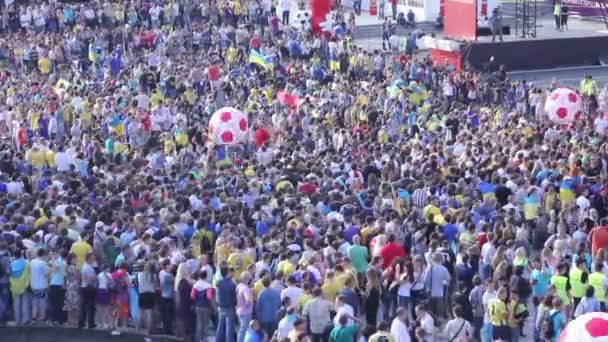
point(244, 300)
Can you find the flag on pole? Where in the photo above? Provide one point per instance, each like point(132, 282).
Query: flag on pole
point(255, 57)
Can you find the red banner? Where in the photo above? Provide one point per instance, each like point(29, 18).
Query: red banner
point(319, 9)
point(460, 20)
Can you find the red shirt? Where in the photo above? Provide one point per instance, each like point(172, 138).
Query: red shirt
point(482, 238)
point(260, 136)
point(389, 252)
point(599, 238)
point(307, 188)
point(21, 136)
point(213, 72)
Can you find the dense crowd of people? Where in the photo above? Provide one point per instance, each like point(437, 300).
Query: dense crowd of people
point(400, 199)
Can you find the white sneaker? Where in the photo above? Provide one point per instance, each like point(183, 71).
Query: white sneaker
point(147, 339)
point(115, 333)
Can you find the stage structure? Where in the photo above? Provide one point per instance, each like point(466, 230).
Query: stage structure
point(525, 18)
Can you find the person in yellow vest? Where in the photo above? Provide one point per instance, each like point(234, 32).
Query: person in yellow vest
point(598, 281)
point(518, 312)
point(499, 316)
point(561, 283)
point(578, 281)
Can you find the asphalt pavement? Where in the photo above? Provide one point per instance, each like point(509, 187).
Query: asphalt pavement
point(567, 76)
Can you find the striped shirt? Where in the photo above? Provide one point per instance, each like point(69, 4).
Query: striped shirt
point(420, 197)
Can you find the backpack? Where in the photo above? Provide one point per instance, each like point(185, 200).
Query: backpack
point(548, 328)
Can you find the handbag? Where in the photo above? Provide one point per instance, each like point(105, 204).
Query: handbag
point(422, 294)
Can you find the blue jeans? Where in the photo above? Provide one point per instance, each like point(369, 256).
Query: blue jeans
point(486, 332)
point(225, 325)
point(39, 304)
point(22, 308)
point(202, 323)
point(4, 301)
point(243, 326)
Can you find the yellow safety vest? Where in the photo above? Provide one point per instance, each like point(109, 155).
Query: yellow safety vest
point(579, 289)
point(596, 279)
point(560, 283)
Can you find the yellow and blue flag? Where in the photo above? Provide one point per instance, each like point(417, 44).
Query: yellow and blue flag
point(255, 57)
point(531, 206)
point(487, 190)
point(566, 191)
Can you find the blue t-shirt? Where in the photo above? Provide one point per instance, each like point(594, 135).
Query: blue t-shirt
point(450, 231)
point(558, 324)
point(58, 276)
point(542, 281)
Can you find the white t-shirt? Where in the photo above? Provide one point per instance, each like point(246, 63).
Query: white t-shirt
point(399, 331)
point(14, 187)
point(487, 297)
point(405, 289)
point(344, 310)
point(155, 13)
point(428, 324)
point(62, 160)
point(458, 329)
point(103, 280)
point(487, 253)
point(293, 293)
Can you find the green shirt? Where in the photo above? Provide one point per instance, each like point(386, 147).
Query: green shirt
point(358, 256)
point(343, 334)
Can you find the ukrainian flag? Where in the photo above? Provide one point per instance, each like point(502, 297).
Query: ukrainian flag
point(93, 55)
point(117, 125)
point(255, 57)
point(566, 191)
point(395, 89)
point(486, 189)
point(531, 206)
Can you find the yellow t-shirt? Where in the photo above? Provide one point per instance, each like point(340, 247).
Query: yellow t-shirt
point(330, 289)
point(40, 221)
point(221, 254)
point(50, 158)
point(497, 310)
point(365, 232)
point(302, 300)
point(155, 99)
point(257, 288)
point(44, 65)
point(81, 249)
point(286, 267)
point(36, 158)
point(34, 117)
point(240, 261)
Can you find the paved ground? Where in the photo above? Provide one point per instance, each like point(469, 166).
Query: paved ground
point(567, 76)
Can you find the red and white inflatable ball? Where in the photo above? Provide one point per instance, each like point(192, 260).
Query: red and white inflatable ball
point(591, 327)
point(229, 126)
point(564, 106)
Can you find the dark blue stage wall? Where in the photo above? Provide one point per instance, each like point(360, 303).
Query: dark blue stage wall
point(537, 53)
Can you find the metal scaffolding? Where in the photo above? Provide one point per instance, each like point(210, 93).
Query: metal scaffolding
point(525, 18)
